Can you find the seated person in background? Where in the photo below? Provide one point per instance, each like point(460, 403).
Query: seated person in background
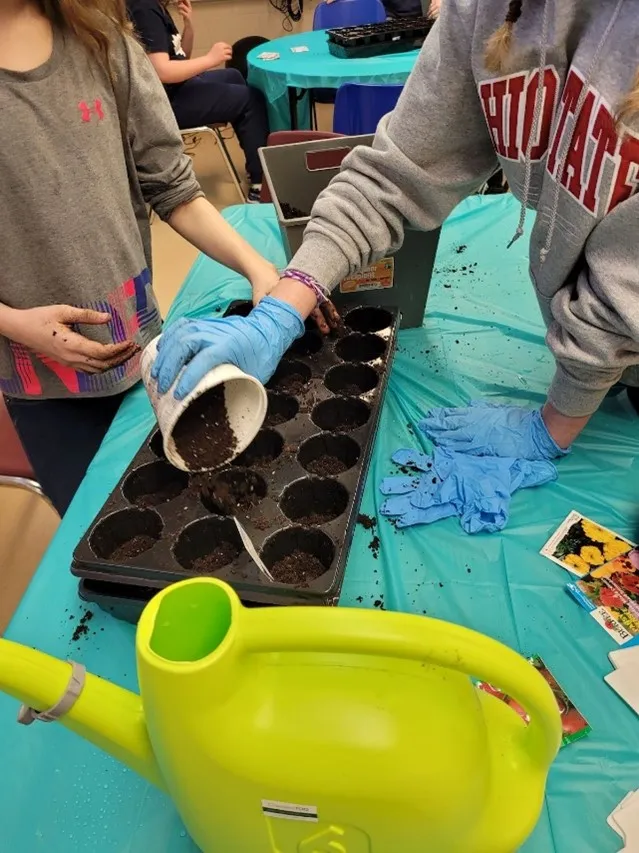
point(198, 94)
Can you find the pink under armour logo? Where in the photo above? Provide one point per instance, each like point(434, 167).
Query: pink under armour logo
point(87, 112)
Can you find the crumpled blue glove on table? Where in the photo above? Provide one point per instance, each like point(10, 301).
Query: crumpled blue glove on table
point(490, 429)
point(255, 344)
point(477, 489)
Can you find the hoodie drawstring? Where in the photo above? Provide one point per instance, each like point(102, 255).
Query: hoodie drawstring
point(568, 134)
point(534, 130)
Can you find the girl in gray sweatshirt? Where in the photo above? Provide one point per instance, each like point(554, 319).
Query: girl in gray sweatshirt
point(87, 141)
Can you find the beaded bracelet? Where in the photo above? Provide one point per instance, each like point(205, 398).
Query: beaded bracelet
point(307, 281)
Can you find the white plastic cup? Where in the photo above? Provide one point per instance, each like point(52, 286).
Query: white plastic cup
point(245, 399)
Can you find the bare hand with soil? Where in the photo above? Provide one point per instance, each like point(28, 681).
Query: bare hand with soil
point(48, 331)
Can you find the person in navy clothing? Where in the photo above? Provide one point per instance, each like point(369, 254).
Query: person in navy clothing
point(200, 90)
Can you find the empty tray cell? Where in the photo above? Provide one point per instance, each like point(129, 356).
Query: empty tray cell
point(291, 377)
point(208, 545)
point(298, 555)
point(328, 455)
point(264, 449)
point(340, 413)
point(351, 379)
point(125, 534)
point(368, 319)
point(241, 309)
point(154, 484)
point(309, 344)
point(156, 445)
point(314, 500)
point(281, 408)
point(232, 490)
point(358, 347)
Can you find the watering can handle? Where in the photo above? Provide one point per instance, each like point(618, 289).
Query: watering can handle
point(394, 635)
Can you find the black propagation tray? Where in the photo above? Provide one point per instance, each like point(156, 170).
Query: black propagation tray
point(374, 39)
point(185, 526)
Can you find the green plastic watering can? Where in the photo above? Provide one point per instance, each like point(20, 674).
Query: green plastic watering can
point(314, 730)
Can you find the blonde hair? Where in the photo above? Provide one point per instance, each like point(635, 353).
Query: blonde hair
point(96, 23)
point(497, 53)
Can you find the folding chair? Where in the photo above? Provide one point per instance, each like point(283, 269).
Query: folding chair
point(216, 131)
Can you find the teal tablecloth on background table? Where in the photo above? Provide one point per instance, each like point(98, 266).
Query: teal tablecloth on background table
point(316, 69)
point(482, 337)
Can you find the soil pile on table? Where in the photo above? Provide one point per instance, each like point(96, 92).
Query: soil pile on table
point(326, 466)
point(297, 568)
point(203, 436)
point(132, 548)
point(224, 554)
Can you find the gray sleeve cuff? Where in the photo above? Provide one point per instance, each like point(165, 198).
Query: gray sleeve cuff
point(578, 397)
point(166, 203)
point(322, 259)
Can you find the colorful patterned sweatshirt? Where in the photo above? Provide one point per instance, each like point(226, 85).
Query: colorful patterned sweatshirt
point(80, 159)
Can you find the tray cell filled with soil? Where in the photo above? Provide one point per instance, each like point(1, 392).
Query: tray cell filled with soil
point(291, 377)
point(281, 408)
point(208, 545)
point(154, 484)
point(298, 555)
point(239, 309)
point(314, 500)
point(309, 344)
point(369, 319)
point(232, 491)
point(265, 448)
point(203, 436)
point(296, 489)
point(328, 455)
point(156, 445)
point(124, 535)
point(351, 380)
point(340, 414)
point(358, 347)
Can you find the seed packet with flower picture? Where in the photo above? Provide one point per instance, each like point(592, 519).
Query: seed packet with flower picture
point(610, 593)
point(581, 545)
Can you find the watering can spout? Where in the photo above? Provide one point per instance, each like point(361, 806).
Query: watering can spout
point(106, 715)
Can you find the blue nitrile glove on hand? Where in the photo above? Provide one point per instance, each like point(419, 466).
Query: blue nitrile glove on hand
point(489, 429)
point(475, 488)
point(255, 344)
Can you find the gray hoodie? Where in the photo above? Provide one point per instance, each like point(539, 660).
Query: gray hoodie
point(456, 123)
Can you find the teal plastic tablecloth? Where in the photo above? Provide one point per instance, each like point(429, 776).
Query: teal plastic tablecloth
point(316, 69)
point(482, 337)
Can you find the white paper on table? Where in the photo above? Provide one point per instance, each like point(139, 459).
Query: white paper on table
point(625, 657)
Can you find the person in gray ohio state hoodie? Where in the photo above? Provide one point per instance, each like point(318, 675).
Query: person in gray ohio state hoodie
point(568, 148)
point(548, 91)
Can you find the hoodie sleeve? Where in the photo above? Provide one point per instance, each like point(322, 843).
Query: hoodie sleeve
point(164, 171)
point(595, 333)
point(430, 153)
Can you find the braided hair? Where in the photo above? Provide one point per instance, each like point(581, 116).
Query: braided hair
point(499, 44)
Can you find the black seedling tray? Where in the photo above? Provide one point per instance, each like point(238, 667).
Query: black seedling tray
point(334, 413)
point(371, 39)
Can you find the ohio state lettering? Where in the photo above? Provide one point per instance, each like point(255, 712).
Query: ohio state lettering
point(595, 150)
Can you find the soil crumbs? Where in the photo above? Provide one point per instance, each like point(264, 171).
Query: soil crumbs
point(224, 554)
point(315, 518)
point(82, 628)
point(298, 568)
point(293, 384)
point(163, 495)
point(228, 498)
point(275, 419)
point(203, 435)
point(132, 548)
point(370, 523)
point(289, 211)
point(326, 466)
